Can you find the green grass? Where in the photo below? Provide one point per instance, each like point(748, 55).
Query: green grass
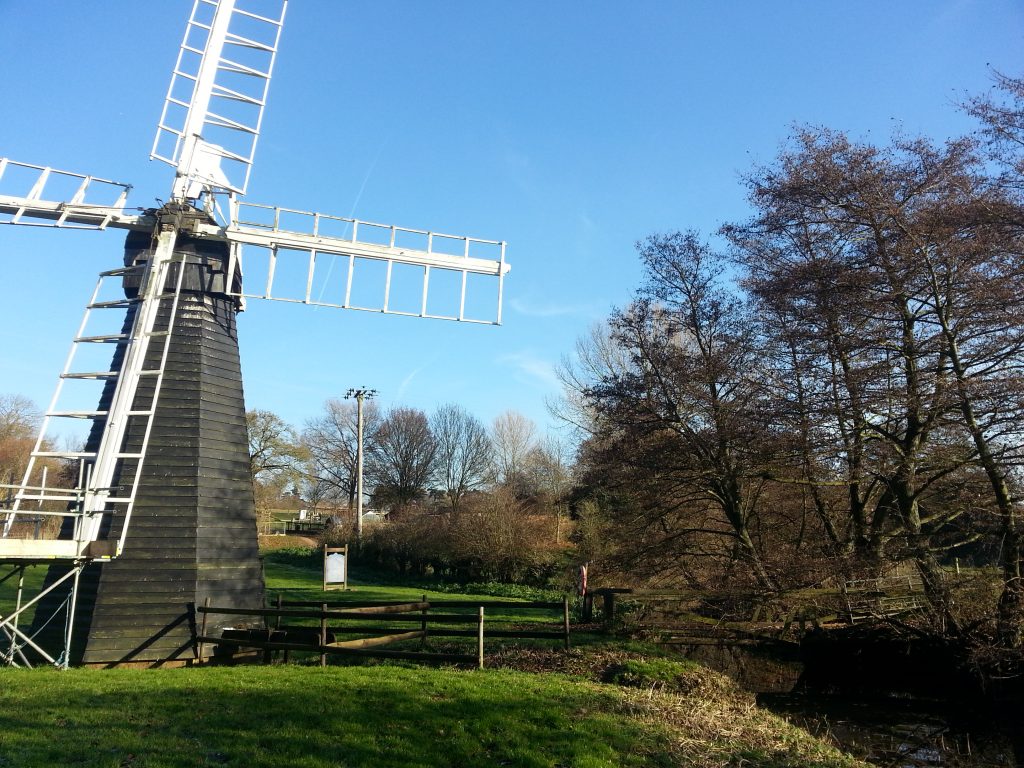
point(293, 716)
point(651, 672)
point(651, 711)
point(298, 575)
point(34, 576)
point(294, 576)
point(379, 717)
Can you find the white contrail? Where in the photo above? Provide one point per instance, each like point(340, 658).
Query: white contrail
point(352, 212)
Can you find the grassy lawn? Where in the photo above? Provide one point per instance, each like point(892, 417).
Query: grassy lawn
point(34, 576)
point(536, 705)
point(301, 567)
point(299, 577)
point(33, 579)
point(383, 717)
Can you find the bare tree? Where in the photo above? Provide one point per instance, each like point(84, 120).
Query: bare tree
point(402, 459)
point(682, 435)
point(463, 452)
point(549, 468)
point(273, 444)
point(1001, 115)
point(276, 458)
point(512, 437)
point(331, 440)
point(1002, 119)
point(19, 419)
point(549, 478)
point(695, 385)
point(850, 206)
point(894, 276)
point(596, 355)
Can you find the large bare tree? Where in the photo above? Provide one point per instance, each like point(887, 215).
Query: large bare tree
point(512, 438)
point(402, 458)
point(331, 439)
point(1001, 115)
point(681, 422)
point(463, 452)
point(893, 284)
point(860, 401)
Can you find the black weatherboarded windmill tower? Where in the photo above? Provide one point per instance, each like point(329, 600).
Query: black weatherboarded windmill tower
point(160, 513)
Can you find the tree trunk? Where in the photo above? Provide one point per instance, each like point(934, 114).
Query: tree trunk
point(1010, 619)
point(937, 591)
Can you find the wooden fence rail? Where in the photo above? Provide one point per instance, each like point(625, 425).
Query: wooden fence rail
point(754, 608)
point(381, 607)
point(850, 601)
point(363, 618)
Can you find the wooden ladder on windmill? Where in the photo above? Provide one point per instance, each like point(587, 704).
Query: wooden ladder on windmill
point(97, 510)
point(224, 63)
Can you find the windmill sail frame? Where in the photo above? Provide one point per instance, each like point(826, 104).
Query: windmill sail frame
point(213, 110)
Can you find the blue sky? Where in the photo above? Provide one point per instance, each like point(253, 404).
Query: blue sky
point(568, 129)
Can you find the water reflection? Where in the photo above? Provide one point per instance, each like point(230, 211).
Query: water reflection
point(900, 732)
point(895, 732)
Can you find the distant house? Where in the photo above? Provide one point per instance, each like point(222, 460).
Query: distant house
point(372, 516)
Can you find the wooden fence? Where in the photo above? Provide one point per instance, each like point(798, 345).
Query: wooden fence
point(885, 596)
point(758, 613)
point(336, 621)
point(683, 616)
point(304, 527)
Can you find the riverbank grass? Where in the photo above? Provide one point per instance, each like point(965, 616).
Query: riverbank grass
point(382, 716)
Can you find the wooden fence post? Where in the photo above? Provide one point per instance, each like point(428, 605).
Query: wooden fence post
point(609, 609)
point(268, 654)
point(588, 607)
point(565, 619)
point(480, 639)
point(323, 633)
point(423, 626)
point(202, 631)
point(277, 626)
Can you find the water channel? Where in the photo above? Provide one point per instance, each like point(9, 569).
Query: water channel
point(898, 730)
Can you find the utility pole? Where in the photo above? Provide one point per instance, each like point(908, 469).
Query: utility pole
point(359, 394)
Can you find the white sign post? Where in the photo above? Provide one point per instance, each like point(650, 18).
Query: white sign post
point(335, 567)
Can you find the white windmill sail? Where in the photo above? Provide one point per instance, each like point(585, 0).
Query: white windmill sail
point(214, 105)
point(95, 204)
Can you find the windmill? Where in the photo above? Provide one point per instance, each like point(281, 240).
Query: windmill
point(156, 511)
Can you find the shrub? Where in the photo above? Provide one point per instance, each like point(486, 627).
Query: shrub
point(490, 539)
point(494, 539)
